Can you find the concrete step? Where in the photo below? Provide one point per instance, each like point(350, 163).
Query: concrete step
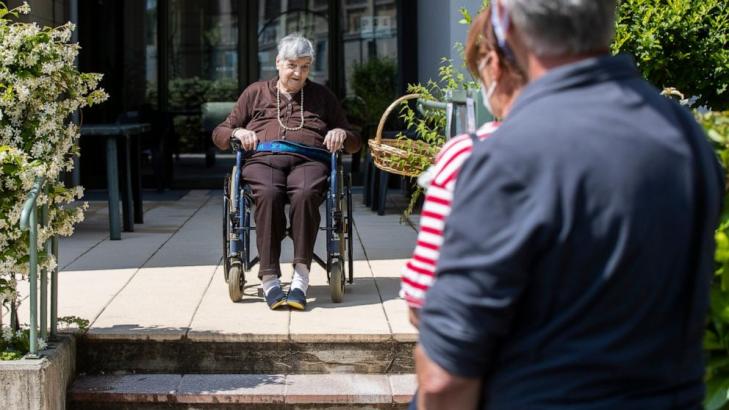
point(249, 391)
point(252, 354)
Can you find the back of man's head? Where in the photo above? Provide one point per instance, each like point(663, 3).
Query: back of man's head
point(554, 28)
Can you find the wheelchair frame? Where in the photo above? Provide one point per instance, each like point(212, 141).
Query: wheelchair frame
point(237, 211)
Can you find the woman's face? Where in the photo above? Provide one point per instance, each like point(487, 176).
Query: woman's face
point(293, 73)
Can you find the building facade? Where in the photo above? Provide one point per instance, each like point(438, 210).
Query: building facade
point(164, 58)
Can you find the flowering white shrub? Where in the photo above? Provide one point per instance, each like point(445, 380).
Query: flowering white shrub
point(40, 88)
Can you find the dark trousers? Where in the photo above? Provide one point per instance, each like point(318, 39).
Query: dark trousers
point(277, 179)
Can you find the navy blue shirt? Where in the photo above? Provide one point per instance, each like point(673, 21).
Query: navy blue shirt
point(578, 255)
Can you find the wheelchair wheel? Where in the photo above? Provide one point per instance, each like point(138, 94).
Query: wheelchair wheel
point(336, 280)
point(229, 185)
point(350, 231)
point(246, 233)
point(235, 282)
point(337, 273)
point(227, 228)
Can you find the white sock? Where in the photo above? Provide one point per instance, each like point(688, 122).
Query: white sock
point(301, 277)
point(268, 282)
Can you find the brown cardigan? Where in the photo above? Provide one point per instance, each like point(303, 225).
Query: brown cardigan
point(256, 111)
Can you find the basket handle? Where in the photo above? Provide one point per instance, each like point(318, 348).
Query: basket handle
point(381, 125)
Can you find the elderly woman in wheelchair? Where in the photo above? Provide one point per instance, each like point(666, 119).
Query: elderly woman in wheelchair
point(287, 133)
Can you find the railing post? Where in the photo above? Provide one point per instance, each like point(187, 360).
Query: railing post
point(44, 276)
point(29, 222)
point(54, 290)
point(33, 278)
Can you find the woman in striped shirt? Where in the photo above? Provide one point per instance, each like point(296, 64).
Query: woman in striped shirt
point(501, 81)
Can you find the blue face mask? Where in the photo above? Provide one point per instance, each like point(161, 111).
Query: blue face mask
point(501, 27)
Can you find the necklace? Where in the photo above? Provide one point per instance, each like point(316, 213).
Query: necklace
point(278, 110)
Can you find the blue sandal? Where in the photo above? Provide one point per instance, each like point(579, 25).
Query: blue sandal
point(296, 299)
point(275, 298)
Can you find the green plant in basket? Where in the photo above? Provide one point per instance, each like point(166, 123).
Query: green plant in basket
point(429, 126)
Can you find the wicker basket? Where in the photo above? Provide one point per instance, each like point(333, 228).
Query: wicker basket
point(391, 154)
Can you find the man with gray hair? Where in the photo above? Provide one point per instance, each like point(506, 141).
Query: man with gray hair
point(271, 115)
point(585, 282)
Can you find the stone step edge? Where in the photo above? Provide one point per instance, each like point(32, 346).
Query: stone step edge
point(214, 337)
point(245, 388)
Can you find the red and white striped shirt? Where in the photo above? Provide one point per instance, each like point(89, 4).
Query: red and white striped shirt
point(419, 273)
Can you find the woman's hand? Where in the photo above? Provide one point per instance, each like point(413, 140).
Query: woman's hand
point(439, 389)
point(248, 138)
point(334, 139)
point(414, 316)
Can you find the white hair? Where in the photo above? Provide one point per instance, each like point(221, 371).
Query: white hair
point(552, 28)
point(295, 46)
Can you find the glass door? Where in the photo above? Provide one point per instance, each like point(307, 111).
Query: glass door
point(369, 37)
point(202, 66)
point(277, 18)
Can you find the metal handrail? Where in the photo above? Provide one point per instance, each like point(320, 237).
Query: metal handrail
point(459, 108)
point(25, 213)
point(29, 222)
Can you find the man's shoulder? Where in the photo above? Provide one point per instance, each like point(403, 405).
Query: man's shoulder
point(520, 135)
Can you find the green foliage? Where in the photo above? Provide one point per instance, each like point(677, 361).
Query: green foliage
point(716, 339)
point(679, 43)
point(40, 87)
point(683, 44)
point(428, 125)
point(374, 84)
point(74, 321)
point(14, 345)
point(186, 95)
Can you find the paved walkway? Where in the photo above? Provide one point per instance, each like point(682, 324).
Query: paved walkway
point(165, 282)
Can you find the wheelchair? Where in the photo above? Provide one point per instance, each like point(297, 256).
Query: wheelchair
point(238, 208)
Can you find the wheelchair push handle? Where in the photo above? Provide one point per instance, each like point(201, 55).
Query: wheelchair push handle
point(235, 143)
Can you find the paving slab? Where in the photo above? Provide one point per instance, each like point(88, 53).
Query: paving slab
point(344, 390)
point(387, 277)
point(403, 387)
point(137, 388)
point(164, 281)
point(338, 388)
point(197, 242)
point(82, 293)
point(130, 252)
point(161, 222)
point(386, 241)
point(232, 388)
point(158, 304)
point(219, 319)
point(359, 317)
